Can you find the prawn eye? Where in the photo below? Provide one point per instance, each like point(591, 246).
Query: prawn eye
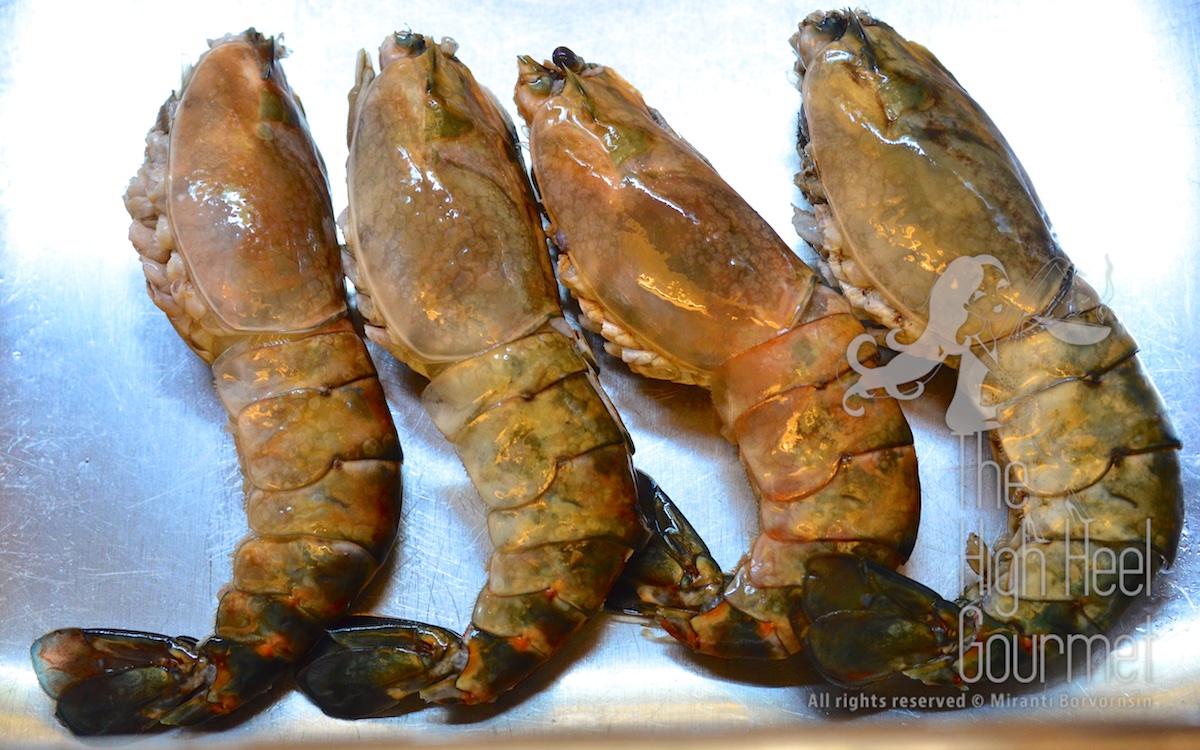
point(563, 57)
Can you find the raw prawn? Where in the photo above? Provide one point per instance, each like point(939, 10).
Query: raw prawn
point(453, 274)
point(687, 283)
point(233, 222)
point(931, 228)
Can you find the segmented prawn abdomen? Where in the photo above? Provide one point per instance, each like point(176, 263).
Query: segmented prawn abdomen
point(1098, 479)
point(561, 518)
point(827, 482)
point(322, 467)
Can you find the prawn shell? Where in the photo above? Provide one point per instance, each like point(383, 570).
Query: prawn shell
point(1063, 595)
point(1039, 358)
point(578, 571)
point(1114, 510)
point(320, 577)
point(248, 201)
point(666, 247)
point(293, 439)
point(248, 373)
point(494, 663)
point(355, 502)
point(793, 443)
point(810, 354)
point(861, 502)
point(1078, 428)
point(267, 624)
point(518, 369)
point(573, 508)
point(513, 458)
point(542, 619)
point(428, 158)
point(916, 175)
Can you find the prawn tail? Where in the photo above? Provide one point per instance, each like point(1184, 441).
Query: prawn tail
point(869, 622)
point(674, 579)
point(118, 681)
point(673, 568)
point(125, 682)
point(368, 665)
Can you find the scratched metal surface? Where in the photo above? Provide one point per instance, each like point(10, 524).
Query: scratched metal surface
point(119, 489)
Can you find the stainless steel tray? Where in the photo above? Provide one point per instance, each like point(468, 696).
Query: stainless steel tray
point(120, 498)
